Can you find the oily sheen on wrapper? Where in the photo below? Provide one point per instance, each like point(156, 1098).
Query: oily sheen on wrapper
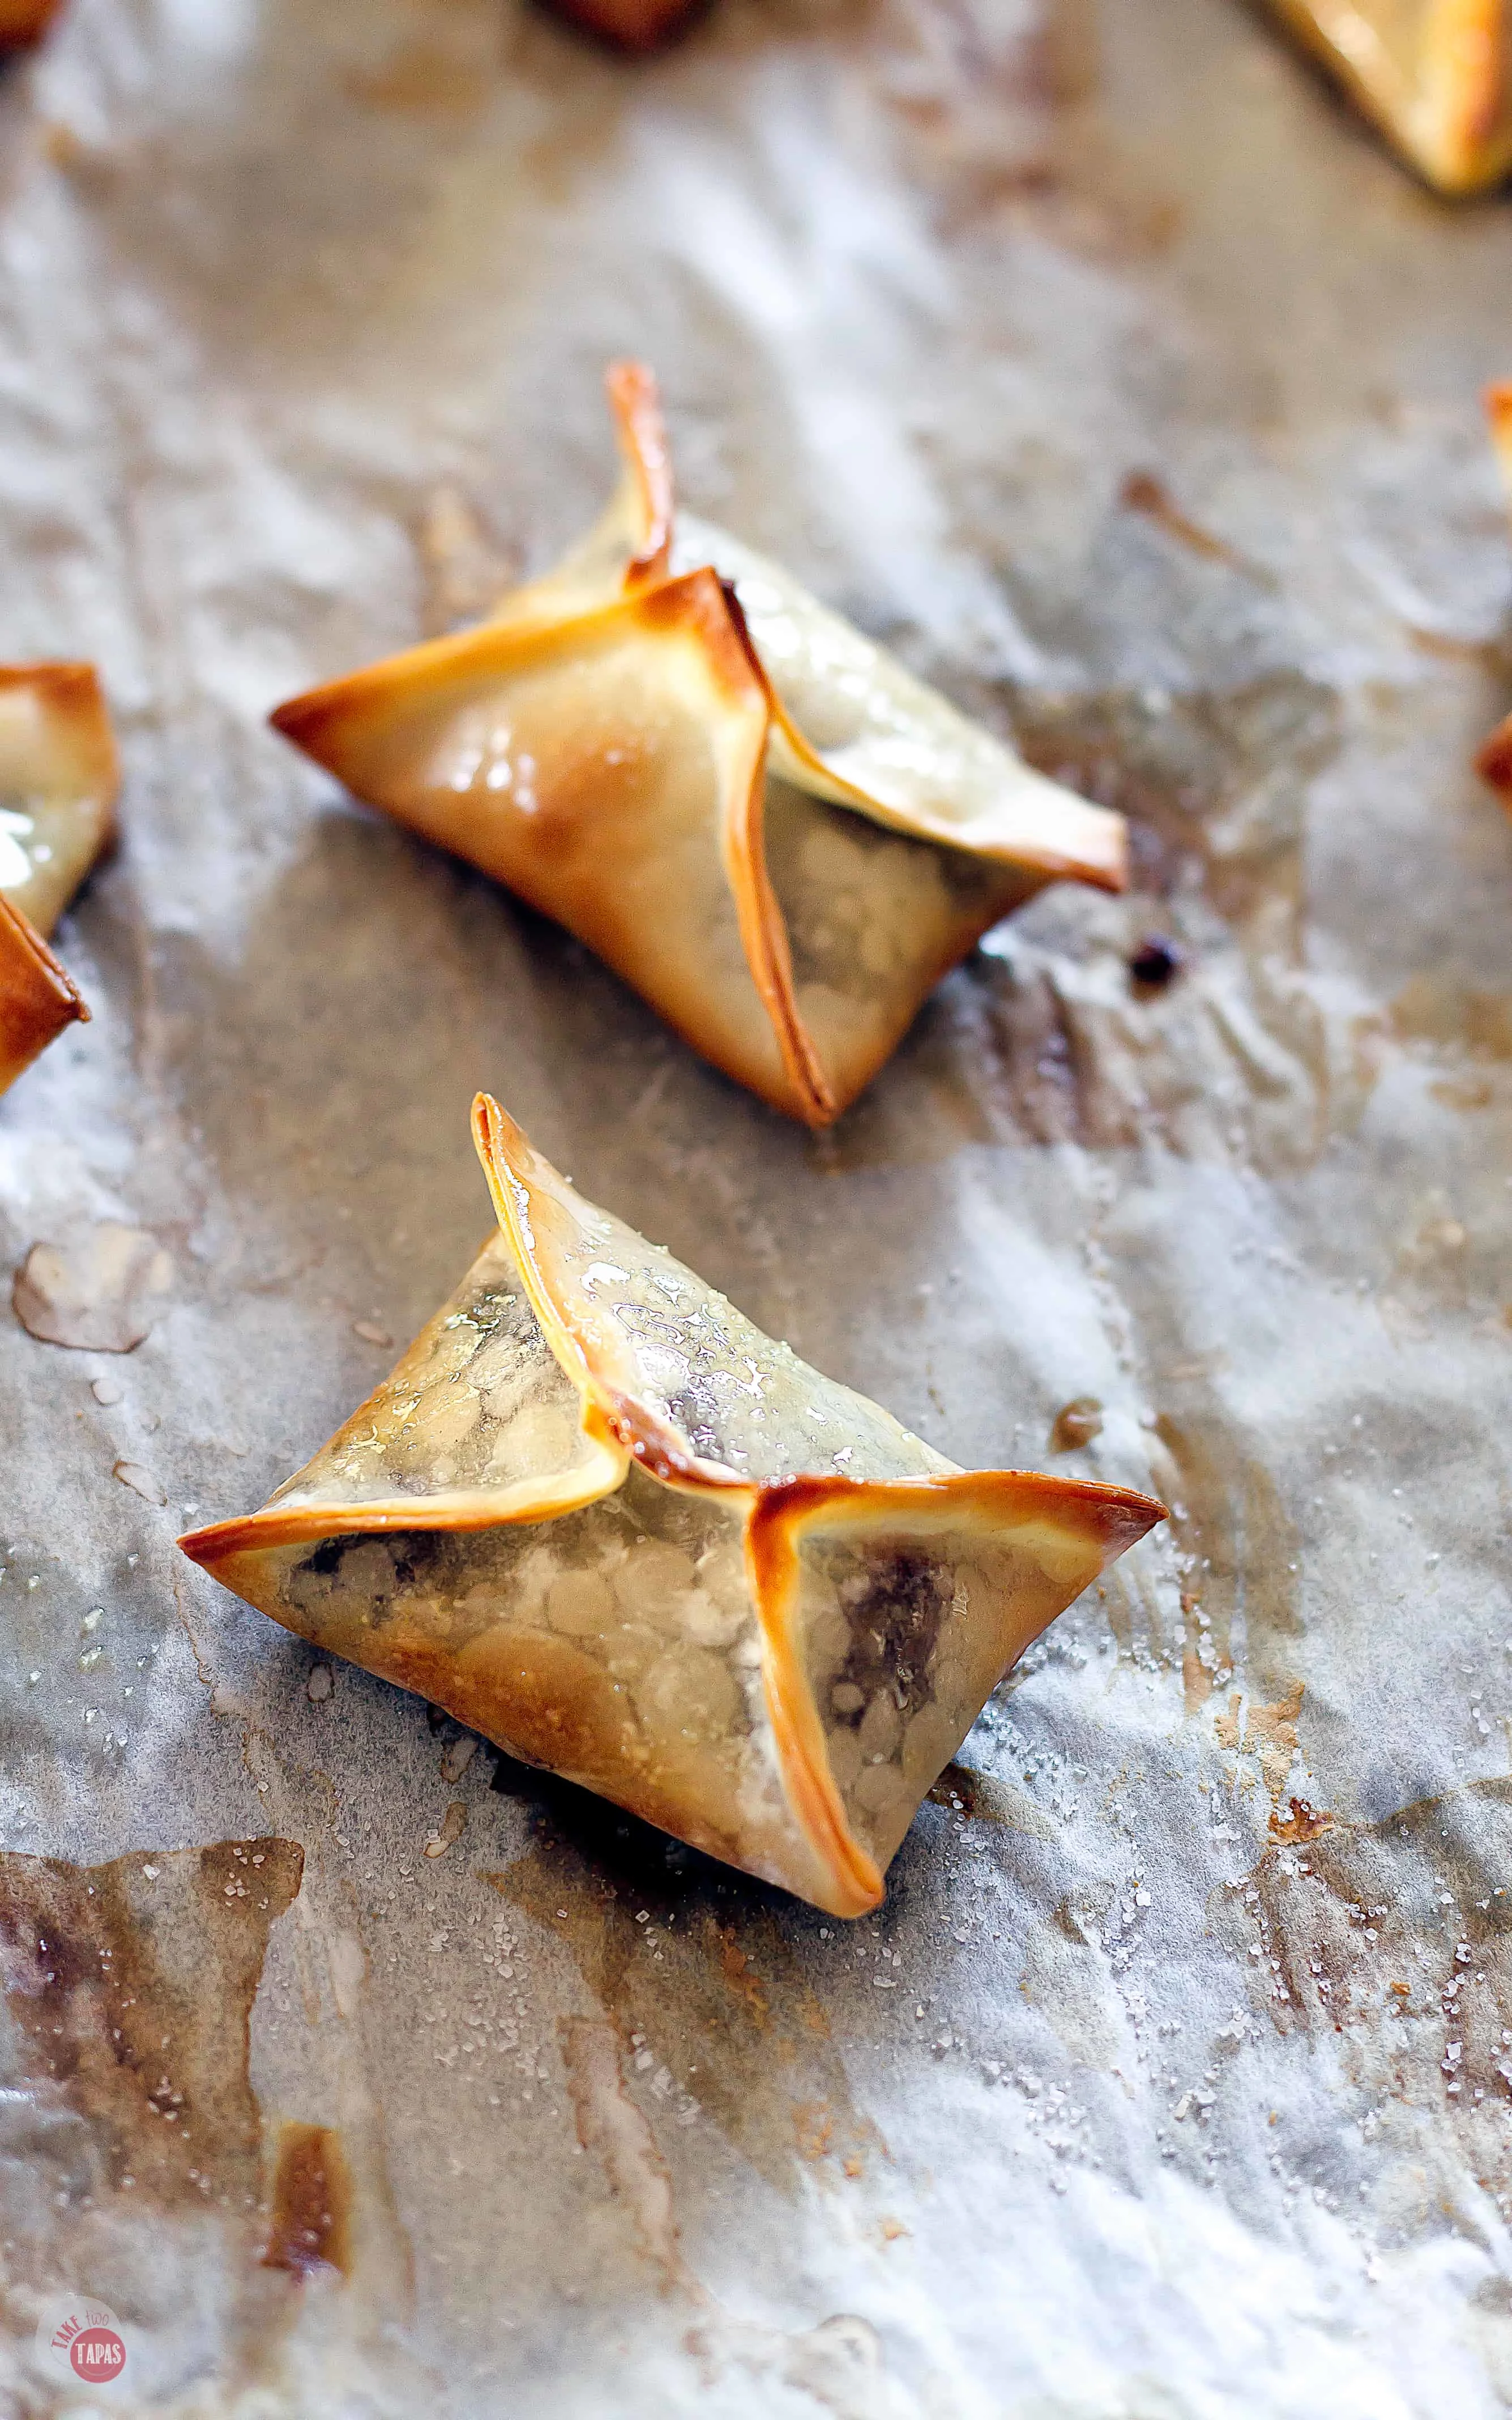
point(601, 1518)
point(760, 818)
point(1435, 75)
point(58, 779)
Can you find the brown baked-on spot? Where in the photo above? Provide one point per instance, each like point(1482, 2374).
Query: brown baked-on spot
point(742, 1977)
point(1076, 1423)
point(1144, 493)
point(1156, 962)
point(1304, 1822)
point(310, 2219)
point(813, 2129)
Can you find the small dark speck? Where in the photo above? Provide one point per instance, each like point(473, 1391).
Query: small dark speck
point(1156, 962)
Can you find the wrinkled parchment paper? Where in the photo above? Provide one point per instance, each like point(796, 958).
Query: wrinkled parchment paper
point(1098, 359)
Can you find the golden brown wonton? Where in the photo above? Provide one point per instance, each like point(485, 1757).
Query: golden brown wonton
point(1494, 763)
point(600, 1517)
point(760, 818)
point(59, 780)
point(1435, 75)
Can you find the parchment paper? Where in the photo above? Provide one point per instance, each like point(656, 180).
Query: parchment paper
point(1103, 364)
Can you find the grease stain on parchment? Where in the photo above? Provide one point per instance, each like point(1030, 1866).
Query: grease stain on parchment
point(129, 1987)
point(1237, 1555)
point(430, 79)
point(1146, 492)
point(1042, 1038)
point(1063, 1975)
point(133, 2148)
point(1393, 1940)
point(1448, 1255)
point(1268, 1734)
point(724, 2007)
point(1002, 119)
point(130, 2135)
point(310, 2215)
point(1237, 1061)
point(838, 2365)
point(611, 2127)
point(982, 1797)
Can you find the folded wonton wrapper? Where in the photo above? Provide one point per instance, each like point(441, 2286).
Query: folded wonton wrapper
point(58, 779)
point(599, 1518)
point(1494, 763)
point(757, 816)
point(1435, 75)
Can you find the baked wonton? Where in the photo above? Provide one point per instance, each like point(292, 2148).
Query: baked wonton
point(601, 1518)
point(1494, 762)
point(1435, 75)
point(59, 780)
point(760, 818)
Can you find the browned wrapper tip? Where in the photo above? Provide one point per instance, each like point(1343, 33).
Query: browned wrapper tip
point(37, 996)
point(636, 403)
point(1434, 75)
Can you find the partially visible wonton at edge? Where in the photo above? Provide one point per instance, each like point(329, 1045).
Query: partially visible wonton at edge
point(24, 22)
point(58, 779)
point(630, 25)
point(601, 1518)
point(1435, 75)
point(1494, 763)
point(760, 818)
